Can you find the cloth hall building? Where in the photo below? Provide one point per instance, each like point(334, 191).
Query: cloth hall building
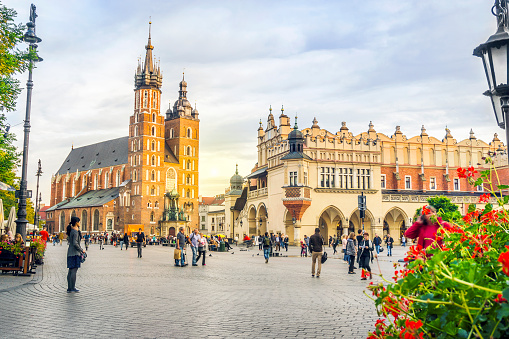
point(148, 179)
point(311, 178)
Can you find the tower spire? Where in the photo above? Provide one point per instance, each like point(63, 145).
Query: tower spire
point(148, 73)
point(149, 62)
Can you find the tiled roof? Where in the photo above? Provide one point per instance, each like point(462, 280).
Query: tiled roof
point(211, 201)
point(103, 154)
point(89, 199)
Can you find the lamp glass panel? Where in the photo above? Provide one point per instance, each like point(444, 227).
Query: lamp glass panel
point(489, 74)
point(499, 56)
point(497, 108)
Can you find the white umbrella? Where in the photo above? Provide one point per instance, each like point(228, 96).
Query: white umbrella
point(5, 187)
point(10, 220)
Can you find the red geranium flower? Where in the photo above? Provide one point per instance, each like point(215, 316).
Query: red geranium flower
point(499, 299)
point(462, 172)
point(411, 329)
point(484, 198)
point(504, 259)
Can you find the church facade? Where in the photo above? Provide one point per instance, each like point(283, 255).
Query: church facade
point(148, 179)
point(312, 177)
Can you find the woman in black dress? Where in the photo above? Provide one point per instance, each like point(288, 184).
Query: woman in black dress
point(74, 252)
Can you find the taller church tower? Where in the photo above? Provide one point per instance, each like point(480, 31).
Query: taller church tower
point(146, 144)
point(182, 136)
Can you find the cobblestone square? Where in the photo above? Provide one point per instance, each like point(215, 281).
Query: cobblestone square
point(235, 295)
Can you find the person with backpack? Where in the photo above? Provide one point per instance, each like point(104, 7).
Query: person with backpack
point(267, 245)
point(193, 239)
point(366, 256)
point(260, 242)
point(202, 247)
point(377, 241)
point(140, 238)
point(316, 247)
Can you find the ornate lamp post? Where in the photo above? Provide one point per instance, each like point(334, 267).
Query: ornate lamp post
point(32, 40)
point(495, 58)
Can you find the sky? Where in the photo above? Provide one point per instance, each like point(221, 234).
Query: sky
point(393, 62)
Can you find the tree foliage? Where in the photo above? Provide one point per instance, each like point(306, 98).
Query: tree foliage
point(12, 59)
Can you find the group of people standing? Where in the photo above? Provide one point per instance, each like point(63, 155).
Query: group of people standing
point(360, 248)
point(277, 240)
point(198, 243)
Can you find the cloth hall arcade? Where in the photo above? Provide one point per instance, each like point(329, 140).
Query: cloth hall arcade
point(311, 178)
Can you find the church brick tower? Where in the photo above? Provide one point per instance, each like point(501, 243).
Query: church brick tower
point(146, 145)
point(182, 136)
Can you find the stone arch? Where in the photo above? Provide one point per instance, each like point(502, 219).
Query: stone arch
point(356, 223)
point(396, 221)
point(289, 226)
point(331, 221)
point(251, 220)
point(261, 218)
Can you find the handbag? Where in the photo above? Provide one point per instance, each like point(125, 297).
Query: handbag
point(324, 257)
point(176, 254)
point(83, 257)
point(381, 249)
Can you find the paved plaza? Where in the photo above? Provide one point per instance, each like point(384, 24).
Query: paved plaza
point(235, 295)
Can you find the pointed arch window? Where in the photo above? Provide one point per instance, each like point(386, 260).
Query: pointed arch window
point(84, 220)
point(149, 204)
point(153, 114)
point(96, 220)
point(188, 164)
point(153, 160)
point(152, 217)
point(154, 100)
point(118, 178)
point(153, 145)
point(107, 179)
point(153, 190)
point(156, 204)
point(153, 175)
point(189, 133)
point(188, 179)
point(172, 133)
point(145, 98)
point(135, 131)
point(189, 150)
point(188, 194)
point(62, 221)
point(136, 117)
point(153, 131)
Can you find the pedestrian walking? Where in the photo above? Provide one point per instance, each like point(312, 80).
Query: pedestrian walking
point(403, 241)
point(359, 238)
point(202, 248)
point(334, 245)
point(377, 241)
point(126, 241)
point(286, 241)
point(181, 244)
point(260, 242)
point(267, 245)
point(366, 256)
point(343, 243)
point(74, 252)
point(101, 242)
point(351, 251)
point(306, 241)
point(330, 240)
point(316, 247)
point(194, 239)
point(87, 241)
point(389, 241)
point(140, 239)
point(61, 238)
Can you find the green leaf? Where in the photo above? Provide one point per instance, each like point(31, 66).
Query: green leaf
point(503, 312)
point(462, 333)
point(505, 293)
point(472, 207)
point(487, 209)
point(503, 187)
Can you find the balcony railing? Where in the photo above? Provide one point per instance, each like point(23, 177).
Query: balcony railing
point(258, 193)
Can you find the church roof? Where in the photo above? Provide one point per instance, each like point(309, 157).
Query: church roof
point(90, 199)
point(296, 155)
point(103, 154)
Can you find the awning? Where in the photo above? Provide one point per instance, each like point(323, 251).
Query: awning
point(258, 173)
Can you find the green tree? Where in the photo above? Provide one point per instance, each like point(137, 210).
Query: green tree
point(12, 61)
point(445, 208)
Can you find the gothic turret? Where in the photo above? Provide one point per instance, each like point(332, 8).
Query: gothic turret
point(148, 75)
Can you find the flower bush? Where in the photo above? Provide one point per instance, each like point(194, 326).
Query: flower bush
point(40, 245)
point(15, 248)
point(460, 288)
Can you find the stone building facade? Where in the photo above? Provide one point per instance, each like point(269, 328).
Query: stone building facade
point(311, 178)
point(128, 182)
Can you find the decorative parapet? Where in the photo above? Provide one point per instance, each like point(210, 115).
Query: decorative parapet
point(342, 190)
point(258, 193)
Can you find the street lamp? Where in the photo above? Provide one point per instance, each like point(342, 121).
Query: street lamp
point(495, 58)
point(37, 205)
point(32, 40)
